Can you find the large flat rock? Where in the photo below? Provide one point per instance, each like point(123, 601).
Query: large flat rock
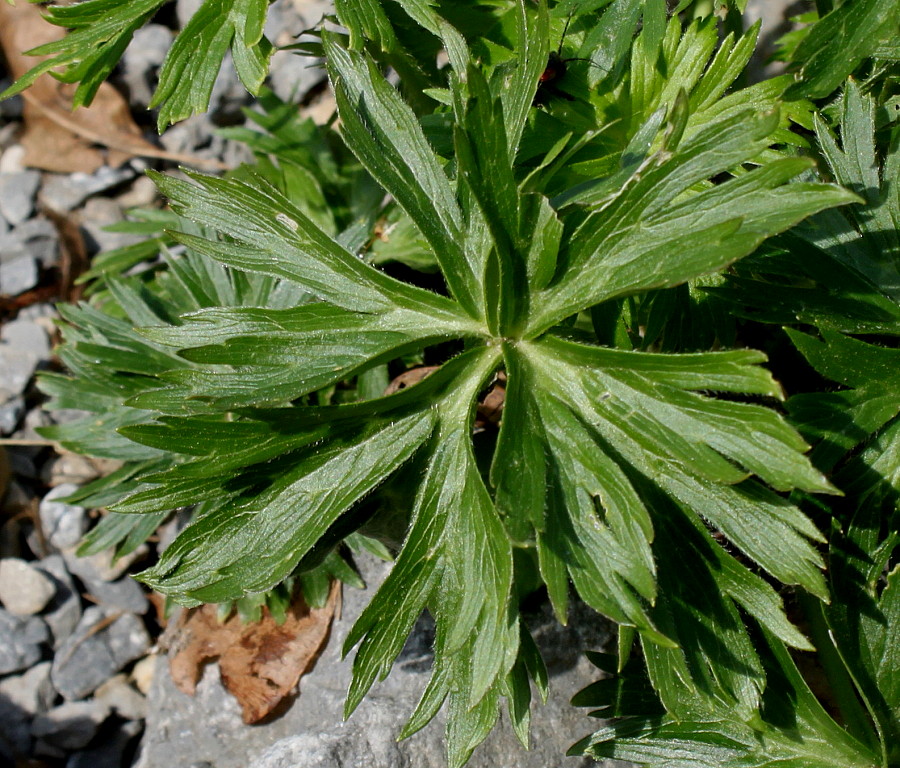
point(206, 730)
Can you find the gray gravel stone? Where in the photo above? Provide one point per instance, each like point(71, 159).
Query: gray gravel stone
point(64, 611)
point(26, 336)
point(40, 240)
point(182, 730)
point(110, 750)
point(15, 731)
point(21, 698)
point(13, 154)
point(71, 725)
point(292, 75)
point(17, 191)
point(101, 566)
point(11, 413)
point(18, 274)
point(62, 193)
point(194, 135)
point(101, 645)
point(122, 698)
point(98, 214)
point(68, 468)
point(32, 691)
point(23, 345)
point(41, 312)
point(64, 524)
point(185, 9)
point(141, 194)
point(124, 593)
point(142, 58)
point(21, 641)
point(24, 590)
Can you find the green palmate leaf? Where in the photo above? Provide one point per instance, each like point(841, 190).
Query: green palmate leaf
point(864, 621)
point(593, 441)
point(809, 738)
point(625, 246)
point(457, 561)
point(843, 268)
point(261, 382)
point(843, 420)
point(292, 351)
point(273, 237)
point(238, 556)
point(839, 42)
point(657, 426)
point(385, 134)
point(534, 50)
point(192, 64)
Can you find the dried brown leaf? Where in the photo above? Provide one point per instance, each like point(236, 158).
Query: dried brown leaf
point(259, 663)
point(410, 377)
point(48, 144)
point(55, 137)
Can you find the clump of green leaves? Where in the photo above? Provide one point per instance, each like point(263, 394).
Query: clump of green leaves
point(834, 276)
point(247, 377)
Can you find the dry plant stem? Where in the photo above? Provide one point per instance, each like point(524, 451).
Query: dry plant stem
point(138, 149)
point(30, 441)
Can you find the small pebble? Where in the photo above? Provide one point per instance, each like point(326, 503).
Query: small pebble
point(101, 645)
point(142, 193)
point(64, 524)
point(21, 641)
point(123, 699)
point(110, 750)
point(141, 60)
point(67, 468)
point(31, 692)
point(15, 729)
point(101, 566)
point(18, 275)
point(62, 193)
point(40, 239)
point(10, 414)
point(185, 10)
point(26, 336)
point(142, 673)
point(98, 214)
point(64, 611)
point(17, 191)
point(12, 157)
point(24, 590)
point(71, 725)
point(21, 698)
point(23, 345)
point(123, 593)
